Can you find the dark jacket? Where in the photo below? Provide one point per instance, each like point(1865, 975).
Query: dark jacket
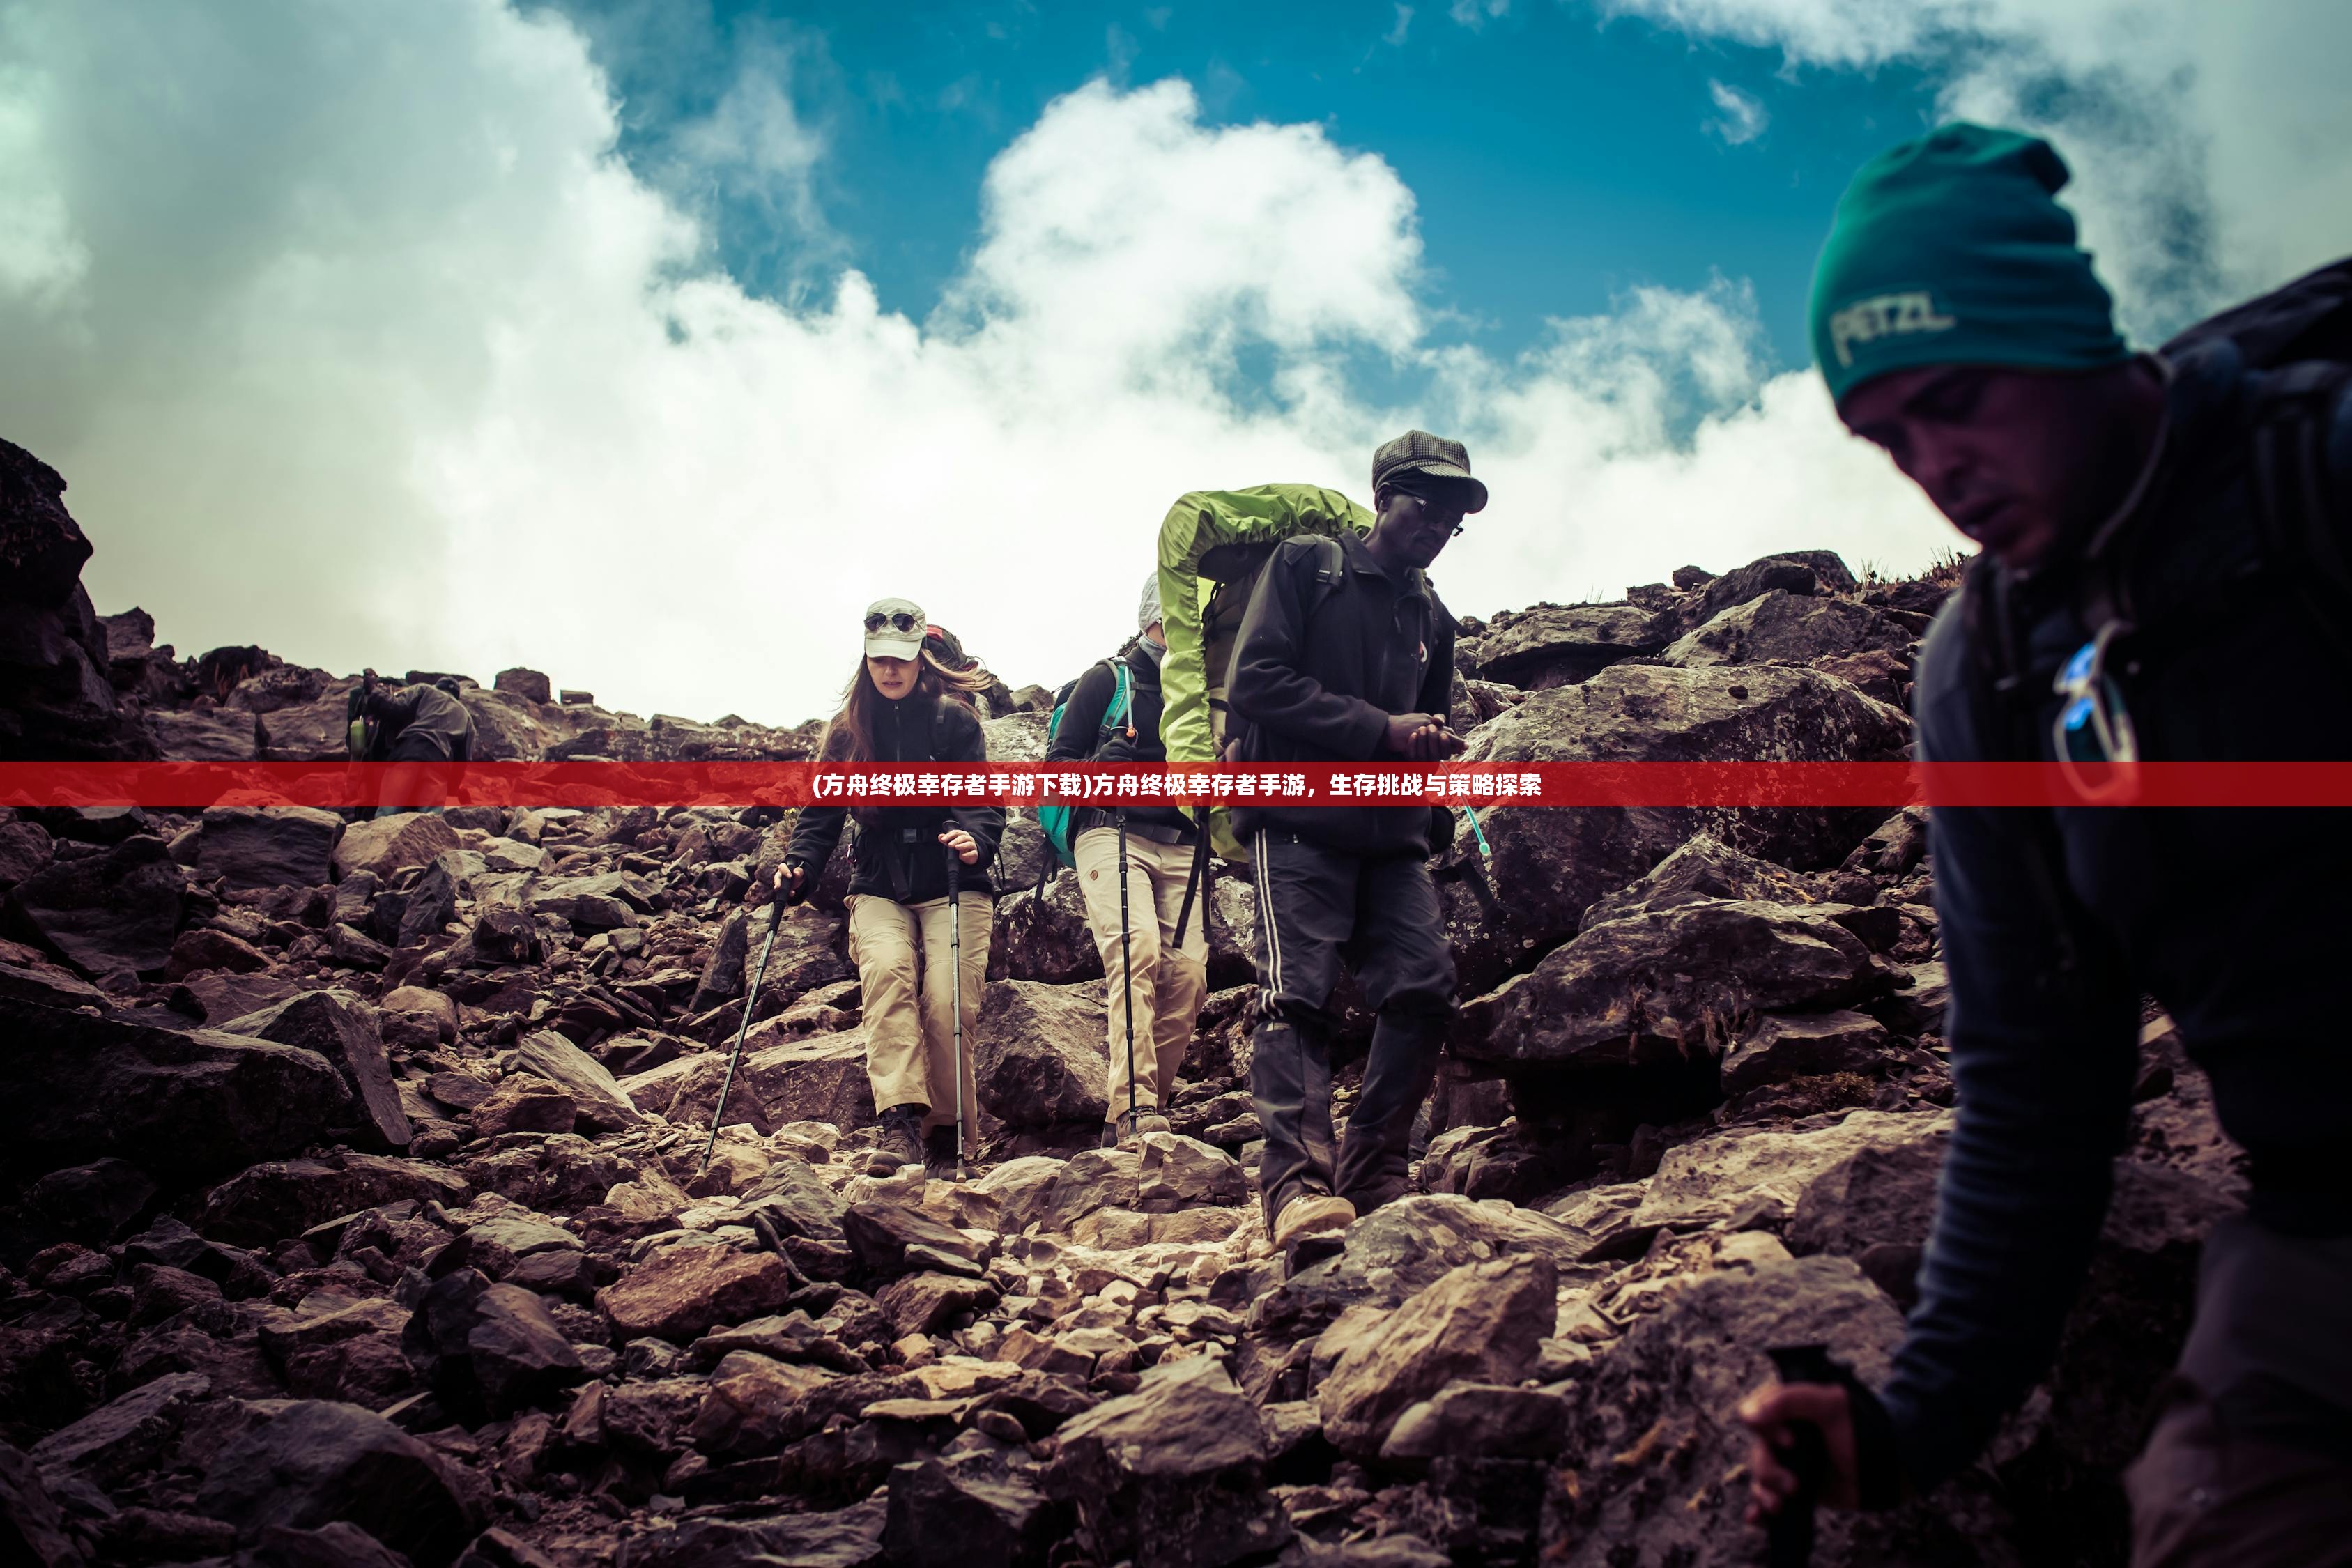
point(897, 850)
point(1082, 722)
point(2054, 922)
point(411, 721)
point(1317, 674)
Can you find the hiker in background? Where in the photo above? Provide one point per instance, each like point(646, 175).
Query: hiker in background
point(423, 727)
point(2163, 575)
point(903, 706)
point(1346, 654)
point(1164, 983)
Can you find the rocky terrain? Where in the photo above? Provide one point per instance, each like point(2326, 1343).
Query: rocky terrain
point(353, 1210)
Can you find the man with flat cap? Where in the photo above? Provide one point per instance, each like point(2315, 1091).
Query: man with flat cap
point(1345, 655)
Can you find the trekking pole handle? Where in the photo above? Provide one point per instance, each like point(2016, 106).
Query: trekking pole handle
point(1788, 1534)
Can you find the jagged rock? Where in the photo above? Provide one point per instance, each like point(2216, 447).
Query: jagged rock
point(756, 1406)
point(1765, 1174)
point(1780, 1048)
point(1654, 1465)
point(1045, 940)
point(527, 684)
point(257, 846)
point(118, 1439)
point(601, 901)
point(25, 848)
point(1019, 1189)
point(1038, 1056)
point(1548, 867)
point(1784, 627)
point(488, 1348)
point(105, 913)
point(388, 843)
point(224, 736)
point(91, 1204)
point(602, 1106)
point(1404, 1246)
point(33, 1529)
point(1628, 993)
point(810, 952)
point(891, 1239)
point(1561, 645)
point(1090, 1180)
point(1894, 846)
point(430, 903)
point(820, 1078)
point(1917, 1008)
point(685, 1291)
point(847, 1537)
point(1483, 1420)
point(349, 948)
point(1703, 868)
point(315, 1463)
point(1478, 1323)
point(192, 1103)
point(1801, 572)
point(1178, 1173)
point(206, 948)
point(350, 1353)
point(282, 1199)
point(523, 1104)
point(500, 934)
point(426, 1012)
point(57, 696)
point(1170, 1476)
point(338, 1027)
point(49, 986)
point(927, 1303)
point(553, 1174)
point(972, 1511)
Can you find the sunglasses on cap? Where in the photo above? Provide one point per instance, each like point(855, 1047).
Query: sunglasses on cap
point(2094, 731)
point(900, 621)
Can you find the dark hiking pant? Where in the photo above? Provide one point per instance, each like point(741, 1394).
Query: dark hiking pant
point(2249, 1463)
point(1318, 909)
point(420, 777)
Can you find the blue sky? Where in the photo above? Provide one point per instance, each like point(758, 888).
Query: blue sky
point(1558, 158)
point(645, 344)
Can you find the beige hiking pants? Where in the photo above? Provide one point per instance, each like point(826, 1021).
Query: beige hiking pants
point(1169, 986)
point(909, 1021)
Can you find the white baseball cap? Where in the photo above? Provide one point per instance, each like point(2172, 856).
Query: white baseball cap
point(894, 628)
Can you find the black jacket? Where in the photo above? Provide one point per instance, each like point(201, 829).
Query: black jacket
point(1318, 672)
point(1082, 721)
point(896, 848)
point(2054, 923)
point(423, 717)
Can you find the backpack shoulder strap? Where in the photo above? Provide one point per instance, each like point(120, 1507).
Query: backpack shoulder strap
point(1330, 572)
point(1121, 706)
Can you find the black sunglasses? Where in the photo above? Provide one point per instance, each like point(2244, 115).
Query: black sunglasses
point(902, 621)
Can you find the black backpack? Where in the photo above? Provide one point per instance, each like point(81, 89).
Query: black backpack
point(2303, 335)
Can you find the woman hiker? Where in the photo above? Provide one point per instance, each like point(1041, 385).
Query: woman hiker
point(905, 705)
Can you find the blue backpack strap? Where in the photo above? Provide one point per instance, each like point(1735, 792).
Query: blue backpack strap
point(1122, 701)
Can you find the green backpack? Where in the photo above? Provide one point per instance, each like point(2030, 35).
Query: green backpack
point(1055, 819)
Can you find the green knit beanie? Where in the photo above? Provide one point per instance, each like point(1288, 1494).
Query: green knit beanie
point(1951, 249)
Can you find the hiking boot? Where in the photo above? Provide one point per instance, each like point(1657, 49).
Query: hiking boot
point(940, 1162)
point(1127, 1130)
point(901, 1144)
point(1311, 1214)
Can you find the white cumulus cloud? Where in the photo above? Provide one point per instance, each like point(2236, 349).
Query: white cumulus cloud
point(354, 336)
point(1743, 116)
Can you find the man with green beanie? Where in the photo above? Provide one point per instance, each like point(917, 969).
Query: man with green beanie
point(2164, 575)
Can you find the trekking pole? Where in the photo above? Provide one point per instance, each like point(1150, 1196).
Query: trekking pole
point(787, 894)
point(1196, 882)
point(955, 967)
point(1788, 1534)
point(1125, 974)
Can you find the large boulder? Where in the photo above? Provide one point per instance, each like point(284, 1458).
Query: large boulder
point(489, 1349)
point(192, 1104)
point(280, 1198)
point(1171, 1475)
point(222, 735)
point(314, 731)
point(820, 1078)
point(314, 1463)
point(1704, 868)
point(603, 1106)
point(102, 913)
point(1038, 1054)
point(1655, 1470)
point(257, 846)
point(1482, 1322)
point(1783, 627)
point(1045, 940)
point(811, 949)
point(1561, 645)
point(387, 844)
point(343, 1029)
point(25, 848)
point(57, 694)
point(1671, 988)
point(1548, 867)
point(683, 1292)
point(1766, 1175)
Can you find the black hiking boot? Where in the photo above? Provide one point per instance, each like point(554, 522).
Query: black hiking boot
point(901, 1144)
point(940, 1162)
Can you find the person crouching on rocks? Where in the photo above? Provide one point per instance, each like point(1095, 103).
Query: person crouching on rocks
point(1346, 654)
point(903, 706)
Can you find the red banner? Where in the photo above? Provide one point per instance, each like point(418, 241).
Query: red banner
point(191, 786)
